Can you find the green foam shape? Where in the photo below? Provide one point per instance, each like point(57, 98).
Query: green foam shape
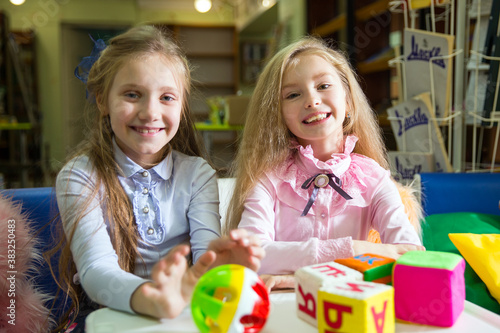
point(378, 272)
point(430, 259)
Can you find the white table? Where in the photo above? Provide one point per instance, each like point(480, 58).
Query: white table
point(282, 319)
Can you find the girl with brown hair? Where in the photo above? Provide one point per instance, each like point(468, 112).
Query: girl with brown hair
point(136, 198)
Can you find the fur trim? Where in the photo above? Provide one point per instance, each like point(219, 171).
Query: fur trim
point(30, 313)
point(413, 208)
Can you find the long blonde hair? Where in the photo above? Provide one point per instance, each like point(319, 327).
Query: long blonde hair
point(266, 139)
point(98, 147)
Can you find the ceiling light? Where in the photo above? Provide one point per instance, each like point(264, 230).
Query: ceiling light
point(17, 2)
point(266, 3)
point(202, 6)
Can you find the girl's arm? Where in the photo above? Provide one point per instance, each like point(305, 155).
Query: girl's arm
point(389, 217)
point(202, 210)
point(98, 271)
point(284, 256)
point(204, 220)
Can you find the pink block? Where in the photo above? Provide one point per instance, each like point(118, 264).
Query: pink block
point(429, 296)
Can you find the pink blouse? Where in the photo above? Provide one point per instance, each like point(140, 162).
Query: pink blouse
point(273, 210)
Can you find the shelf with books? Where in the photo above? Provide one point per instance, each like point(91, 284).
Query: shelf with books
point(340, 21)
point(377, 63)
point(213, 54)
point(254, 53)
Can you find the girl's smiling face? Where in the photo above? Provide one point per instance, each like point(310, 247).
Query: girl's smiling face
point(314, 102)
point(145, 107)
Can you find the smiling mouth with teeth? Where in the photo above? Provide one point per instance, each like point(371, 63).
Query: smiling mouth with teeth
point(146, 131)
point(317, 117)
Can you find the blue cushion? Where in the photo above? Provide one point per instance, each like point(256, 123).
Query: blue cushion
point(460, 192)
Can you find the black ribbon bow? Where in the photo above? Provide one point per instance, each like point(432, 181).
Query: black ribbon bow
point(321, 180)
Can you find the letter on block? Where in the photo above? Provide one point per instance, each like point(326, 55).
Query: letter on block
point(429, 287)
point(310, 279)
point(356, 306)
point(375, 268)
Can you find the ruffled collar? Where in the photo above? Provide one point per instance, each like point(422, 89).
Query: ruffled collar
point(301, 165)
point(337, 164)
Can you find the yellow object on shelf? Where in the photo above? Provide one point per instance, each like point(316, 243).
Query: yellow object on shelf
point(417, 4)
point(15, 126)
point(202, 126)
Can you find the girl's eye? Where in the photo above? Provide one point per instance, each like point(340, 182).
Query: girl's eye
point(132, 95)
point(291, 96)
point(324, 86)
point(167, 98)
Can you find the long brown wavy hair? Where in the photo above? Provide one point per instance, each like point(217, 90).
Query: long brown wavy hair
point(135, 43)
point(266, 139)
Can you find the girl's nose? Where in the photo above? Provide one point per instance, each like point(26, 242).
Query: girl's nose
point(312, 101)
point(149, 110)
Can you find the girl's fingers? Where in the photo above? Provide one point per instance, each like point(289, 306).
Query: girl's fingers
point(240, 235)
point(203, 264)
point(182, 250)
point(257, 251)
point(169, 264)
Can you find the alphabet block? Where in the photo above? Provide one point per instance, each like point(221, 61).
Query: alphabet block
point(375, 268)
point(356, 306)
point(310, 279)
point(429, 287)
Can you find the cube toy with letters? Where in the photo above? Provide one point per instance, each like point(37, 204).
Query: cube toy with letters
point(429, 287)
point(356, 306)
point(375, 268)
point(310, 279)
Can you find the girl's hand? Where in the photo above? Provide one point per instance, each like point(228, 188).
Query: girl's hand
point(387, 250)
point(274, 282)
point(239, 248)
point(173, 284)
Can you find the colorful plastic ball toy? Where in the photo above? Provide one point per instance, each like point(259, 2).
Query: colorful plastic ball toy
point(230, 299)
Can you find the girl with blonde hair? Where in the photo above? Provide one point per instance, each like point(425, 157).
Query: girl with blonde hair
point(311, 171)
point(137, 197)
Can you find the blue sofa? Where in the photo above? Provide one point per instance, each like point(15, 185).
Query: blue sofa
point(460, 192)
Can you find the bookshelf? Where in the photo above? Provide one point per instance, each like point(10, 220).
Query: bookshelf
point(258, 39)
point(20, 132)
point(212, 52)
point(253, 56)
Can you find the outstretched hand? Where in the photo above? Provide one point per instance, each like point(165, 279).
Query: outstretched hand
point(387, 250)
point(239, 248)
point(173, 284)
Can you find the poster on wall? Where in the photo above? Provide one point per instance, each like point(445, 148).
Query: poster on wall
point(404, 166)
point(416, 130)
point(421, 49)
